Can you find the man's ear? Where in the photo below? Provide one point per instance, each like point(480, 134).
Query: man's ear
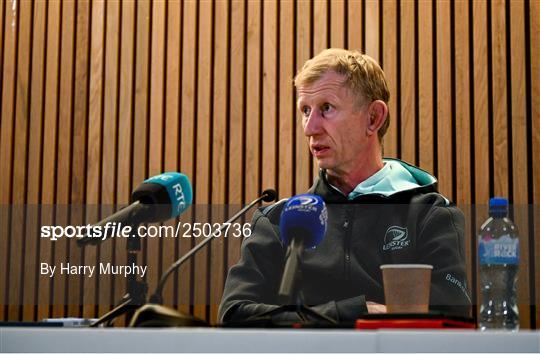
point(378, 111)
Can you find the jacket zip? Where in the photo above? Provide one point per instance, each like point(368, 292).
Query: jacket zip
point(347, 225)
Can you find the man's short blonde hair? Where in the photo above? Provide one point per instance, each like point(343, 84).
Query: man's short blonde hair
point(363, 76)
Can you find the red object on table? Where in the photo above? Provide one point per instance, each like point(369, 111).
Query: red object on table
point(412, 323)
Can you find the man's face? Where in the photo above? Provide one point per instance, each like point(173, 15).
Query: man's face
point(334, 123)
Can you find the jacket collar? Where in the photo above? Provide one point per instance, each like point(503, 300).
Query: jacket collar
point(329, 194)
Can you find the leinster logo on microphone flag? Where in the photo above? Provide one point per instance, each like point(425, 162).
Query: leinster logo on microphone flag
point(396, 238)
point(306, 200)
point(304, 215)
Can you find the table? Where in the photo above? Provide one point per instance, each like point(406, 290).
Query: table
point(195, 340)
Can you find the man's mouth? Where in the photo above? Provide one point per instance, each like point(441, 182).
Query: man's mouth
point(319, 150)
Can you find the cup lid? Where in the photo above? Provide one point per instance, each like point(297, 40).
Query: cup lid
point(407, 265)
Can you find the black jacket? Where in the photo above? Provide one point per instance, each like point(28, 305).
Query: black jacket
point(412, 226)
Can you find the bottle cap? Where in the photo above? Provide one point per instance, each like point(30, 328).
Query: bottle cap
point(498, 207)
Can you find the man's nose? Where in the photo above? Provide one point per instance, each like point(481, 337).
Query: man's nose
point(312, 124)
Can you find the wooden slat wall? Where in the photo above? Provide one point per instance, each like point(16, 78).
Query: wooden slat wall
point(533, 126)
point(96, 96)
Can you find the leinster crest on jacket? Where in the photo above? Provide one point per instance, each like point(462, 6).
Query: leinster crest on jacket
point(396, 238)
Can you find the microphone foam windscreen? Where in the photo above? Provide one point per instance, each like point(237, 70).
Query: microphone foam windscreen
point(178, 189)
point(304, 216)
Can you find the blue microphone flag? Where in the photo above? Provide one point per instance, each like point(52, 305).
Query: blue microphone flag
point(305, 216)
point(179, 190)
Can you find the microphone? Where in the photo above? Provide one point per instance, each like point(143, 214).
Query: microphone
point(157, 199)
point(302, 225)
point(169, 194)
point(268, 195)
point(153, 314)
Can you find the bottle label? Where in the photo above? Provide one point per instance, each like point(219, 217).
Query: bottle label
point(504, 250)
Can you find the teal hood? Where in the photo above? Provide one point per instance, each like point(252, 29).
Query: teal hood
point(396, 176)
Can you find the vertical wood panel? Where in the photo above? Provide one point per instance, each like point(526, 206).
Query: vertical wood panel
point(372, 32)
point(108, 158)
point(320, 42)
point(237, 134)
point(6, 131)
point(481, 115)
point(499, 96)
point(236, 103)
point(425, 86)
point(253, 90)
point(203, 163)
point(96, 103)
point(172, 84)
point(462, 116)
point(519, 164)
point(8, 100)
point(125, 126)
point(534, 45)
point(49, 151)
point(80, 135)
point(303, 53)
point(320, 26)
point(95, 135)
point(125, 100)
point(172, 127)
point(17, 259)
point(407, 89)
point(534, 30)
point(444, 100)
point(337, 24)
point(34, 160)
point(462, 81)
point(390, 55)
point(155, 128)
point(62, 283)
point(157, 80)
point(142, 69)
point(286, 114)
point(139, 163)
point(481, 130)
point(219, 151)
point(269, 89)
point(187, 122)
point(355, 25)
point(4, 215)
point(2, 31)
point(204, 96)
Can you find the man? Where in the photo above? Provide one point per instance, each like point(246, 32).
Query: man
point(379, 210)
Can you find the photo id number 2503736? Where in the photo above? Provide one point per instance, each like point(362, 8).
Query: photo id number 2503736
point(200, 229)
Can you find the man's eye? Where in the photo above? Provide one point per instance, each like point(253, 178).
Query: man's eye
point(306, 111)
point(327, 107)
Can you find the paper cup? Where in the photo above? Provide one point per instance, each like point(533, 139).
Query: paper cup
point(406, 287)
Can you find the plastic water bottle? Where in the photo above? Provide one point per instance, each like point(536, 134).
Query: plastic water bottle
point(498, 253)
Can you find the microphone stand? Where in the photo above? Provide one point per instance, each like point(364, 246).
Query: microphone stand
point(136, 290)
point(148, 312)
point(289, 290)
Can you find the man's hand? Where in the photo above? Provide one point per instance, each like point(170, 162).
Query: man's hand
point(374, 307)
